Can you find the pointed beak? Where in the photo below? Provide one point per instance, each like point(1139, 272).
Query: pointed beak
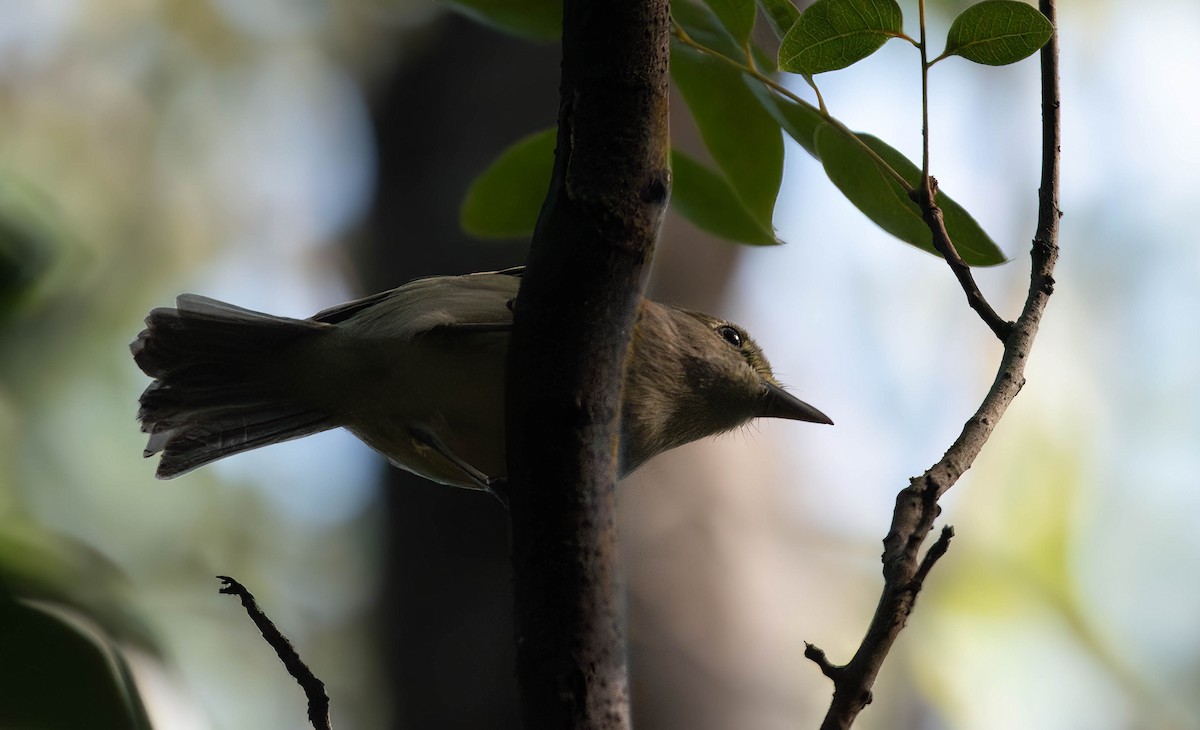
point(778, 403)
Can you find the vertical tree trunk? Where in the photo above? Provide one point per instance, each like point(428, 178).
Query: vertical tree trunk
point(574, 316)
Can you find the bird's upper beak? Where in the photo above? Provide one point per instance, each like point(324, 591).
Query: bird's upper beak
point(778, 403)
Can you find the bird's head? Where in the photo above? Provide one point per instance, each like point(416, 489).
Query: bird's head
point(693, 375)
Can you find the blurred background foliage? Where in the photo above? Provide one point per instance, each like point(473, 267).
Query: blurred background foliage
point(289, 155)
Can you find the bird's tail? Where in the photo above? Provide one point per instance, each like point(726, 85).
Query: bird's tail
point(217, 389)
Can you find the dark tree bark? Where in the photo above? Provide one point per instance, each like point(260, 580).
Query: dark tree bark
point(574, 317)
point(446, 615)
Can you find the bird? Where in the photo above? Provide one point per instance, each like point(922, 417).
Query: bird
point(418, 374)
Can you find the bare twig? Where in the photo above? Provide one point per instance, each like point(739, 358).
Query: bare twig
point(817, 655)
point(917, 505)
point(925, 196)
point(314, 689)
point(934, 554)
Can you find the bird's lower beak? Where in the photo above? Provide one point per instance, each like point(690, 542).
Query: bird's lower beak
point(778, 403)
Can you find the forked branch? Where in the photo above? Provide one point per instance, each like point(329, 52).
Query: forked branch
point(917, 505)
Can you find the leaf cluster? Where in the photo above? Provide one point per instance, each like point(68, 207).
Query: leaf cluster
point(742, 110)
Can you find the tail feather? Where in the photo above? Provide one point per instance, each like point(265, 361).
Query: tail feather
point(216, 390)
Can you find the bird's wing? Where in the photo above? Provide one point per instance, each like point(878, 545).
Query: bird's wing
point(342, 312)
point(442, 306)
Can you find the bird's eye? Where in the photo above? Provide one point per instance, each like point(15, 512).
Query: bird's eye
point(730, 335)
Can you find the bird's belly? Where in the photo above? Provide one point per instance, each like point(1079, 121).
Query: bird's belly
point(397, 440)
point(456, 396)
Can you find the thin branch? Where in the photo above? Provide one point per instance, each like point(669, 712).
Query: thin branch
point(925, 197)
point(817, 655)
point(314, 689)
point(923, 47)
point(934, 554)
point(917, 505)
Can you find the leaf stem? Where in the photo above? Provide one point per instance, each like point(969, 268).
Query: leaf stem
point(925, 197)
point(783, 91)
point(923, 48)
point(812, 84)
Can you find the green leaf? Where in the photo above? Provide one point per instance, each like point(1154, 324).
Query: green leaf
point(884, 201)
point(535, 19)
point(738, 131)
point(833, 34)
point(874, 192)
point(61, 670)
point(737, 16)
point(33, 240)
point(782, 15)
point(504, 201)
point(48, 567)
point(997, 33)
point(705, 198)
point(705, 28)
point(799, 121)
point(973, 244)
